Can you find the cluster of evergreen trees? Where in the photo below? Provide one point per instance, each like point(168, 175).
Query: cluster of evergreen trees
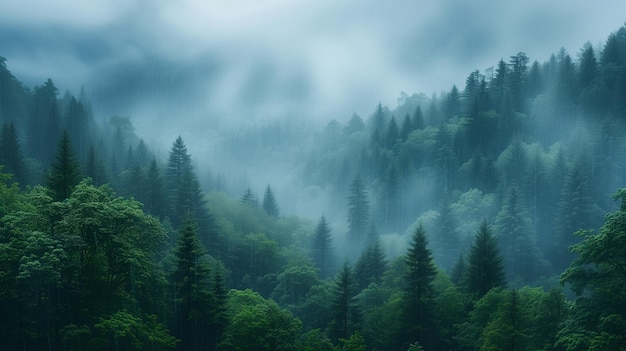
point(518, 161)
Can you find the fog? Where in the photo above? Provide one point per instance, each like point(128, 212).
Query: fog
point(244, 60)
point(217, 72)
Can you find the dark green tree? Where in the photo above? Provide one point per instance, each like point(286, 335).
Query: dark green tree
point(94, 168)
point(155, 197)
point(344, 317)
point(418, 322)
point(371, 266)
point(269, 203)
point(193, 301)
point(11, 153)
point(322, 249)
point(485, 266)
point(407, 128)
point(185, 197)
point(65, 172)
point(393, 134)
point(44, 122)
point(597, 277)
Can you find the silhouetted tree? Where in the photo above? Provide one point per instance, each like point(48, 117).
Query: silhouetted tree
point(269, 203)
point(11, 153)
point(65, 172)
point(322, 248)
point(358, 211)
point(485, 266)
point(418, 323)
point(249, 198)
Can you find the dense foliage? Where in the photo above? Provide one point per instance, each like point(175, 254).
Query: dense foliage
point(106, 246)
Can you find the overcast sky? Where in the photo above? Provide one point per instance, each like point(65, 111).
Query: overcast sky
point(327, 57)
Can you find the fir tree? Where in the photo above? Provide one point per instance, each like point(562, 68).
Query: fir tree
point(249, 198)
point(192, 299)
point(358, 211)
point(11, 153)
point(344, 311)
point(269, 203)
point(94, 168)
point(419, 291)
point(371, 265)
point(65, 173)
point(485, 266)
point(322, 250)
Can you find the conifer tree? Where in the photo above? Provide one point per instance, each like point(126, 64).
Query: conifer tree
point(516, 238)
point(419, 292)
point(249, 198)
point(94, 168)
point(358, 211)
point(446, 239)
point(371, 265)
point(485, 266)
point(344, 311)
point(192, 297)
point(65, 173)
point(322, 249)
point(11, 153)
point(154, 190)
point(269, 203)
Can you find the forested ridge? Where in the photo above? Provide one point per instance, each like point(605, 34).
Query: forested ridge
point(487, 217)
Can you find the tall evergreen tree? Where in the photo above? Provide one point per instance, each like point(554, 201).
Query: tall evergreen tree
point(154, 190)
point(344, 317)
point(418, 322)
point(517, 240)
point(249, 198)
point(322, 249)
point(94, 168)
point(358, 211)
point(446, 238)
point(44, 122)
point(11, 153)
point(485, 265)
point(269, 203)
point(185, 197)
point(193, 300)
point(371, 265)
point(65, 173)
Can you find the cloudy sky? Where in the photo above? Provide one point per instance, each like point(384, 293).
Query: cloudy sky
point(321, 58)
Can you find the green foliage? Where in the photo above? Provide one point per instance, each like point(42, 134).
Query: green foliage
point(354, 343)
point(257, 324)
point(344, 311)
point(322, 248)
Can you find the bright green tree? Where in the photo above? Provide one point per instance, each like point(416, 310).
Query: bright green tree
point(598, 279)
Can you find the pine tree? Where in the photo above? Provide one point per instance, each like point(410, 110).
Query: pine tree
point(485, 266)
point(393, 133)
point(219, 311)
point(185, 197)
point(516, 238)
point(358, 211)
point(249, 198)
point(154, 190)
point(94, 168)
point(11, 153)
point(65, 173)
point(269, 203)
point(344, 311)
point(322, 250)
point(407, 128)
point(192, 299)
point(371, 266)
point(446, 239)
point(419, 291)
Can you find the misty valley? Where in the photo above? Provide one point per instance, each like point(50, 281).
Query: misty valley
point(491, 216)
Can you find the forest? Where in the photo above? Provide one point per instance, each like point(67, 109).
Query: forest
point(486, 217)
